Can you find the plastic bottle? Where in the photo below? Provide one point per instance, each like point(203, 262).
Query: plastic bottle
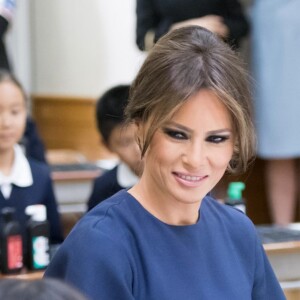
point(234, 196)
point(38, 254)
point(11, 243)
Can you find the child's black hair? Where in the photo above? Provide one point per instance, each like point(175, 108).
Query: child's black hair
point(110, 110)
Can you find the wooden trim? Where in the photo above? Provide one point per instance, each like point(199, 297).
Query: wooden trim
point(285, 247)
point(68, 122)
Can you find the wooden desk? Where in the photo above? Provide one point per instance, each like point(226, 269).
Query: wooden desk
point(27, 275)
point(285, 260)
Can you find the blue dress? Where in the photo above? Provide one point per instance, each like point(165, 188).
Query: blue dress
point(120, 251)
point(276, 65)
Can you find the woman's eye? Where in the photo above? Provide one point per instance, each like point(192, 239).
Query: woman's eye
point(175, 134)
point(217, 139)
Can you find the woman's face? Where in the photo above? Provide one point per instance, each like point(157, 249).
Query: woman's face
point(12, 115)
point(190, 153)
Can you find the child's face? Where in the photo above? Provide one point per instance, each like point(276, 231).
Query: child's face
point(122, 142)
point(12, 115)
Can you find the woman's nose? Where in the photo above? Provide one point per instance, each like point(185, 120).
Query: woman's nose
point(195, 155)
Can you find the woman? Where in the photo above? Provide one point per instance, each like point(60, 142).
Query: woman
point(165, 238)
point(156, 17)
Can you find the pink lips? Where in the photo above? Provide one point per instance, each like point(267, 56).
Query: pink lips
point(189, 180)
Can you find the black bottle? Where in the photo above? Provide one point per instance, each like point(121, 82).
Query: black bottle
point(11, 243)
point(38, 254)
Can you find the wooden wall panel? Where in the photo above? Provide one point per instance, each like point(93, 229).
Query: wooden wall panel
point(69, 123)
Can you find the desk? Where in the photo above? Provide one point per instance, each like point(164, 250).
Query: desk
point(73, 185)
point(284, 256)
point(27, 275)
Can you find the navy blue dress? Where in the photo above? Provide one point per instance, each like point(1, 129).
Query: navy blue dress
point(120, 251)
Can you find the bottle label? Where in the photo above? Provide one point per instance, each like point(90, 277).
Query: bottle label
point(14, 252)
point(41, 256)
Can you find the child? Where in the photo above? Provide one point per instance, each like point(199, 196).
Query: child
point(119, 139)
point(23, 181)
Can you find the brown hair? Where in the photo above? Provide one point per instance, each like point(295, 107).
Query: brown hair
point(183, 62)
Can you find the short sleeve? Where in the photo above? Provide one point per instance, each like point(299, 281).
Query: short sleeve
point(91, 261)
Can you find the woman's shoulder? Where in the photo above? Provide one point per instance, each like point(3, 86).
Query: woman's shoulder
point(232, 219)
point(110, 215)
point(104, 225)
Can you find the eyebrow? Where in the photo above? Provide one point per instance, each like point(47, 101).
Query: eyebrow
point(179, 126)
point(182, 127)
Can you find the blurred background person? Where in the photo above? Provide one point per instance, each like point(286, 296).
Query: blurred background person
point(119, 138)
point(276, 64)
point(226, 18)
point(40, 289)
point(23, 181)
point(31, 141)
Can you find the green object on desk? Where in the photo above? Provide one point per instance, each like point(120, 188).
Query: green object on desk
point(235, 190)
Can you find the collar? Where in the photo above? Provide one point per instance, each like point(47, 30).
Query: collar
point(20, 173)
point(125, 177)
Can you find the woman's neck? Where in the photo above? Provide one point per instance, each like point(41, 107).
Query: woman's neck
point(6, 161)
point(168, 211)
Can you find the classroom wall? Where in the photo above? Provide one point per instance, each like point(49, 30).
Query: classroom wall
point(75, 47)
point(18, 44)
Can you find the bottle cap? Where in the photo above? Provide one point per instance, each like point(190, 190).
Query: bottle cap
point(235, 190)
point(37, 212)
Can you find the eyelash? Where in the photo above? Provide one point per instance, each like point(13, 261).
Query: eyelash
point(179, 135)
point(217, 139)
point(175, 134)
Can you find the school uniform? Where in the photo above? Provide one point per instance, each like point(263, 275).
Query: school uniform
point(30, 183)
point(114, 180)
point(33, 145)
